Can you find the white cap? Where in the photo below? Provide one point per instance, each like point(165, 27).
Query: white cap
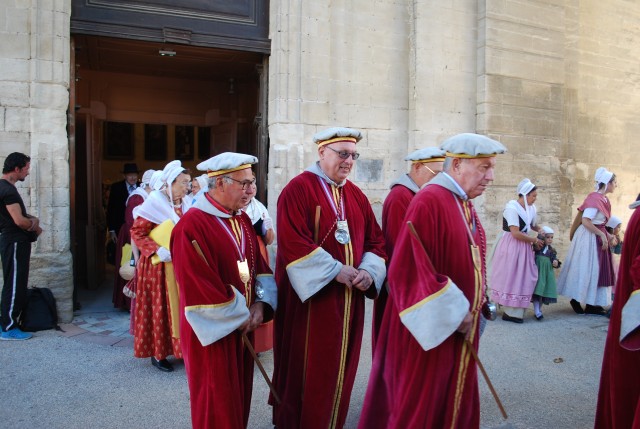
point(146, 177)
point(155, 182)
point(525, 186)
point(613, 222)
point(337, 135)
point(469, 145)
point(547, 230)
point(602, 176)
point(202, 181)
point(227, 162)
point(171, 171)
point(427, 154)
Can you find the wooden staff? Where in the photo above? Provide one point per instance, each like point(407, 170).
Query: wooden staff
point(245, 339)
point(486, 377)
point(415, 235)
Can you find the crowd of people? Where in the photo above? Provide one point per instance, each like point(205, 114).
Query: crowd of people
point(202, 282)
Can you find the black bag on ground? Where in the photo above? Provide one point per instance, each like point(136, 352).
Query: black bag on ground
point(40, 312)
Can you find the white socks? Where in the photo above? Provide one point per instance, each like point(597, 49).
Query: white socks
point(536, 307)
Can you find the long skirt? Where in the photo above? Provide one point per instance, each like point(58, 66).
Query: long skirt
point(513, 272)
point(546, 288)
point(153, 335)
point(580, 275)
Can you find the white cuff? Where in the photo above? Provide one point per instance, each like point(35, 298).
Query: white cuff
point(375, 266)
point(312, 272)
point(435, 318)
point(629, 323)
point(213, 322)
point(269, 289)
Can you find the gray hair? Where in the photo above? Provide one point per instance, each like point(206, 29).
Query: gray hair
point(446, 165)
point(213, 181)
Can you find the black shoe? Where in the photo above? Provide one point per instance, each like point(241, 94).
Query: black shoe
point(508, 318)
point(540, 317)
point(576, 306)
point(595, 309)
point(162, 365)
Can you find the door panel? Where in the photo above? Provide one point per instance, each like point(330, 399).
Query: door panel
point(96, 220)
point(224, 138)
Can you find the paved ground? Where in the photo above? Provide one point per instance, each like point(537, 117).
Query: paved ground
point(546, 373)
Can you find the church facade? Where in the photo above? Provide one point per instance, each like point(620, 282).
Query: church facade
point(556, 81)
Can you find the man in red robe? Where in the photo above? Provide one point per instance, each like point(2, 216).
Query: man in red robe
point(425, 164)
point(330, 256)
point(423, 374)
point(619, 397)
point(226, 291)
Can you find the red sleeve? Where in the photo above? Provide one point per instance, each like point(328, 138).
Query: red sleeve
point(411, 282)
point(393, 212)
point(295, 232)
point(199, 279)
point(140, 236)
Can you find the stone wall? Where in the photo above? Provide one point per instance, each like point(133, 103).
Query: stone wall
point(559, 86)
point(34, 82)
point(555, 80)
point(338, 63)
point(521, 97)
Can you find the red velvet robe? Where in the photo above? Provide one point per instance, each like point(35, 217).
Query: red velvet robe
point(220, 375)
point(393, 211)
point(317, 343)
point(410, 387)
point(619, 396)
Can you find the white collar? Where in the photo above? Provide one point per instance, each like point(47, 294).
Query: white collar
point(458, 190)
point(315, 169)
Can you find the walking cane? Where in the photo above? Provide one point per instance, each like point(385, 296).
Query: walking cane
point(245, 339)
point(414, 234)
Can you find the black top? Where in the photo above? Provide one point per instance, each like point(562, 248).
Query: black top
point(117, 205)
point(505, 224)
point(10, 231)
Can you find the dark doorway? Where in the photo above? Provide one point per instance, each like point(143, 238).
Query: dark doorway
point(206, 101)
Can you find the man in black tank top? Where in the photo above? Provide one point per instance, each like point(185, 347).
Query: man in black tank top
point(17, 231)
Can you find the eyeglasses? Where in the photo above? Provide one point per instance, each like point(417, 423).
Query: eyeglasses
point(244, 183)
point(430, 170)
point(343, 154)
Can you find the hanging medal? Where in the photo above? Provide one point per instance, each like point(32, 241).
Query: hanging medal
point(243, 264)
point(342, 227)
point(342, 232)
point(243, 270)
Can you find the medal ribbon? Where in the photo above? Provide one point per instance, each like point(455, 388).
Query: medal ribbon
point(240, 248)
point(325, 188)
point(475, 249)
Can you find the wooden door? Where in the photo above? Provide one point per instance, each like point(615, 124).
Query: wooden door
point(95, 231)
point(224, 138)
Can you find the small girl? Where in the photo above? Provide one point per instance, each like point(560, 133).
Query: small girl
point(613, 228)
point(546, 260)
